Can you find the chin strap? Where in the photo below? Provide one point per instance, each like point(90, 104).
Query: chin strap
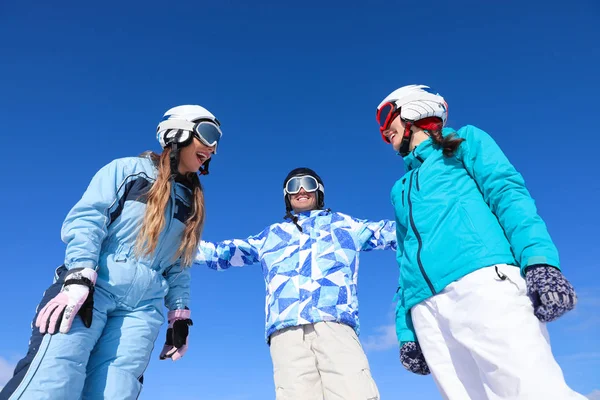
point(204, 167)
point(406, 136)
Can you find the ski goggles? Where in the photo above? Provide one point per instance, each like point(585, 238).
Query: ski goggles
point(306, 182)
point(205, 130)
point(385, 115)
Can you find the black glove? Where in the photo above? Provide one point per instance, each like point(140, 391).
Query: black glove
point(176, 343)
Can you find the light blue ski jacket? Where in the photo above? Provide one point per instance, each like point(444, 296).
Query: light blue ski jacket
point(101, 229)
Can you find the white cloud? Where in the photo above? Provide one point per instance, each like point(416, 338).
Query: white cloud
point(384, 339)
point(595, 395)
point(584, 318)
point(583, 356)
point(584, 323)
point(6, 371)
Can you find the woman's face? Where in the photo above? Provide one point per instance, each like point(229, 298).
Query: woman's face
point(192, 157)
point(394, 133)
point(396, 130)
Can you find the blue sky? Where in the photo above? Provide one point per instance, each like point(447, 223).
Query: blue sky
point(293, 86)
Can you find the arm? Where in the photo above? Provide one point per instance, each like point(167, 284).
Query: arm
point(503, 189)
point(179, 316)
point(178, 278)
point(86, 225)
point(404, 327)
point(379, 235)
point(230, 253)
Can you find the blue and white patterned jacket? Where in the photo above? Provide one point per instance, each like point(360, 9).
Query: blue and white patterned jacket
point(311, 276)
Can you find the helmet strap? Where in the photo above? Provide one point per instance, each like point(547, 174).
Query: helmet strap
point(204, 168)
point(174, 160)
point(406, 136)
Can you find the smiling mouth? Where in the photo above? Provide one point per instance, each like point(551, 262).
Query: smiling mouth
point(202, 157)
point(302, 198)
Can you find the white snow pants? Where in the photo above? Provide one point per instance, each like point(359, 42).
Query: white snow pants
point(322, 361)
point(481, 340)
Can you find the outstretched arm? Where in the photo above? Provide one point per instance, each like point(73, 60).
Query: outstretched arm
point(380, 235)
point(230, 253)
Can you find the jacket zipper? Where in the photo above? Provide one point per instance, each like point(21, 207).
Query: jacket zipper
point(418, 235)
point(417, 179)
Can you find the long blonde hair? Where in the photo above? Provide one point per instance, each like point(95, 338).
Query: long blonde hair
point(154, 217)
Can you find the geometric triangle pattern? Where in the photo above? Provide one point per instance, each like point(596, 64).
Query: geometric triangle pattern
point(310, 276)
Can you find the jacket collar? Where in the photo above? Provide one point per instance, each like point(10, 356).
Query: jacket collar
point(417, 157)
point(312, 213)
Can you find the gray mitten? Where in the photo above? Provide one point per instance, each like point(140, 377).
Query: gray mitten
point(412, 358)
point(551, 293)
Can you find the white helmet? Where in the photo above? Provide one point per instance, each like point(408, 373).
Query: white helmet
point(181, 123)
point(412, 103)
point(416, 103)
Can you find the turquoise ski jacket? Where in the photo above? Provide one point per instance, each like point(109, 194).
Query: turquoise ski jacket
point(457, 214)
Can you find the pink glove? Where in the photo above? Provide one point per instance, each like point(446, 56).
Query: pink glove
point(177, 334)
point(75, 298)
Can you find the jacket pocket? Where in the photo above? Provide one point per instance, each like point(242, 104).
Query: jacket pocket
point(120, 258)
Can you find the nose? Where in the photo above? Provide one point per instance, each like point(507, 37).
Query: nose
point(210, 149)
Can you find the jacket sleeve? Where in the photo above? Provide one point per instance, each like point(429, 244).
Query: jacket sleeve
point(230, 253)
point(504, 191)
point(379, 235)
point(86, 224)
point(178, 278)
point(404, 327)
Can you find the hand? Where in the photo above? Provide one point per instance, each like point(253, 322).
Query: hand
point(412, 358)
point(75, 298)
point(177, 335)
point(551, 293)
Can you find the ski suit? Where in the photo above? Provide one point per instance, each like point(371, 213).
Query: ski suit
point(311, 282)
point(464, 222)
point(108, 359)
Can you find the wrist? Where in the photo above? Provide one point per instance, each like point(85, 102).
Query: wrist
point(91, 264)
point(179, 314)
point(536, 266)
point(85, 276)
